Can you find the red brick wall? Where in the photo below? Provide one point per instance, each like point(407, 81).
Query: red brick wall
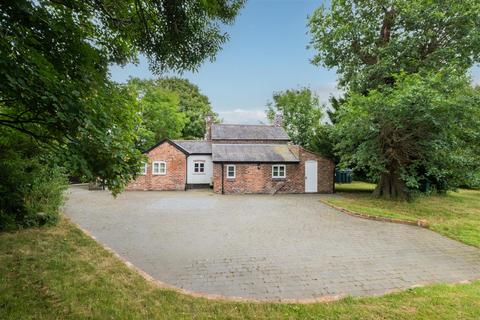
point(257, 178)
point(174, 179)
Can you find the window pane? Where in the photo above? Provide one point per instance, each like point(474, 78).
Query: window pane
point(282, 171)
point(231, 171)
point(155, 167)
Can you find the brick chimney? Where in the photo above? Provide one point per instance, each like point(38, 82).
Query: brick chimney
point(208, 126)
point(278, 120)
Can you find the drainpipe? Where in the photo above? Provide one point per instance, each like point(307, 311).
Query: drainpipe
point(334, 191)
point(222, 177)
point(186, 173)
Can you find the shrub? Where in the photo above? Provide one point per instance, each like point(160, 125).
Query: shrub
point(31, 190)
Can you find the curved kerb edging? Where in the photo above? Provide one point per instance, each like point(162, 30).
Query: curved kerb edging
point(418, 223)
point(208, 296)
point(218, 297)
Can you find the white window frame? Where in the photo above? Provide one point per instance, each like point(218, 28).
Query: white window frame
point(234, 171)
point(199, 167)
point(145, 168)
point(278, 166)
point(159, 173)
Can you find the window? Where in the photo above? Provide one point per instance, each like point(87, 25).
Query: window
point(143, 169)
point(199, 167)
point(278, 171)
point(159, 167)
point(231, 171)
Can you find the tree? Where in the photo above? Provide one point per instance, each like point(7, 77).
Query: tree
point(31, 184)
point(423, 128)
point(54, 67)
point(323, 142)
point(301, 114)
point(193, 103)
point(159, 110)
point(104, 148)
point(369, 41)
point(55, 90)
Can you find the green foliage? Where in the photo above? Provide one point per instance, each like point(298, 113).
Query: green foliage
point(193, 104)
point(323, 142)
point(421, 128)
point(31, 189)
point(159, 111)
point(105, 147)
point(301, 111)
point(54, 81)
point(368, 41)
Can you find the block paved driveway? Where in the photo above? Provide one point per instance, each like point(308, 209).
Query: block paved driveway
point(282, 247)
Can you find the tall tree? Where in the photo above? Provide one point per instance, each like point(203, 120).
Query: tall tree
point(159, 111)
point(193, 103)
point(368, 41)
point(422, 128)
point(301, 112)
point(54, 67)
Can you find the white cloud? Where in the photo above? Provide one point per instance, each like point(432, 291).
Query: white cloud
point(243, 116)
point(325, 91)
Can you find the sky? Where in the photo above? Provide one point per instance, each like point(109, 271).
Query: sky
point(266, 53)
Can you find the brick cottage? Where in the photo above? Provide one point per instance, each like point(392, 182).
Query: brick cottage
point(236, 159)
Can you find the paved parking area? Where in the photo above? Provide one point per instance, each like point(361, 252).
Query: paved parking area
point(267, 247)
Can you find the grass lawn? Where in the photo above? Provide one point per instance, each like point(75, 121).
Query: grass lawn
point(456, 215)
point(60, 273)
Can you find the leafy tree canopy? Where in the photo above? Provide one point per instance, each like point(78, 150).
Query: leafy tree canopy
point(159, 111)
point(54, 59)
point(301, 113)
point(193, 103)
point(368, 41)
point(423, 128)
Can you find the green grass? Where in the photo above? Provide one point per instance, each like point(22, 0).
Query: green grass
point(456, 214)
point(60, 273)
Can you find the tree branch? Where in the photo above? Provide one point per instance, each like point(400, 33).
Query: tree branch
point(387, 25)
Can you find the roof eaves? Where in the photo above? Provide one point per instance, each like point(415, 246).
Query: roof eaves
point(170, 142)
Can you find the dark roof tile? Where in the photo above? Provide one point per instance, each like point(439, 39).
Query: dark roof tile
point(195, 146)
point(252, 153)
point(248, 132)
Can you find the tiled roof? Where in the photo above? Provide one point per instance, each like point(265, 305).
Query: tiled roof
point(247, 132)
point(194, 146)
point(252, 153)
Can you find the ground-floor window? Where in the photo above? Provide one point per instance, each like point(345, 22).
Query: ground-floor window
point(278, 171)
point(159, 167)
point(143, 169)
point(231, 171)
point(199, 167)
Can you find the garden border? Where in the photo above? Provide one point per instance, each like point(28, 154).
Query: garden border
point(419, 223)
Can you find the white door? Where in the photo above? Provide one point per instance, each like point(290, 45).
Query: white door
point(310, 176)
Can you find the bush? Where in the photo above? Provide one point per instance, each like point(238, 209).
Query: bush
point(31, 190)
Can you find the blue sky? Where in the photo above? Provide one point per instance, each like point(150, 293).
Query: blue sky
point(266, 53)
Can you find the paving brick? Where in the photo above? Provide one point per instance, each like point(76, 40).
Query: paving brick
point(267, 247)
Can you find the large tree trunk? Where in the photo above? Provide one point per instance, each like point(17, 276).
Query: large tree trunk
point(391, 186)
